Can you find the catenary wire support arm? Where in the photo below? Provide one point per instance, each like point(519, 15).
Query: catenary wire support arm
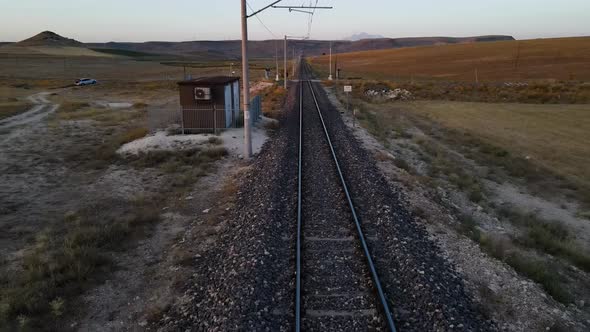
point(245, 69)
point(302, 7)
point(300, 11)
point(263, 9)
point(245, 75)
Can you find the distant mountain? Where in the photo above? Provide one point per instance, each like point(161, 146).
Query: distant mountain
point(363, 35)
point(231, 49)
point(49, 38)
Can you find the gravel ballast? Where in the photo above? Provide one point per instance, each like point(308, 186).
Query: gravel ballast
point(247, 281)
point(424, 292)
point(337, 290)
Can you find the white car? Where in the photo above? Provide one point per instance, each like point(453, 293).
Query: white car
point(85, 81)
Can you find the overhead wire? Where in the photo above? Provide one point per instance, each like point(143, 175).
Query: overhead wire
point(310, 22)
point(262, 23)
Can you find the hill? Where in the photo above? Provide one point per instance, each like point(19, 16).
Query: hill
point(559, 58)
point(48, 38)
point(363, 35)
point(49, 43)
point(231, 49)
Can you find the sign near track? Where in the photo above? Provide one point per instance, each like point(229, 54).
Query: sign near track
point(348, 90)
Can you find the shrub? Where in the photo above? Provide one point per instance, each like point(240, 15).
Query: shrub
point(215, 140)
point(63, 262)
point(468, 227)
point(132, 135)
point(551, 237)
point(215, 152)
point(539, 272)
point(273, 98)
point(403, 164)
point(70, 107)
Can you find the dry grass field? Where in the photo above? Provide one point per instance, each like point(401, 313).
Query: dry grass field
point(51, 51)
point(505, 61)
point(555, 136)
point(13, 101)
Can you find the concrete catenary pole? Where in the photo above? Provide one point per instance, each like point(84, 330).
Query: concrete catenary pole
point(277, 59)
point(246, 83)
point(285, 50)
point(330, 77)
point(293, 62)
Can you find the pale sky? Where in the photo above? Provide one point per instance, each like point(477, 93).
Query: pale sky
point(180, 20)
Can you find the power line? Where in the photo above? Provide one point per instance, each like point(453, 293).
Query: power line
point(310, 21)
point(259, 20)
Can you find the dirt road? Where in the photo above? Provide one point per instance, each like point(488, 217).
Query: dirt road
point(28, 171)
point(42, 108)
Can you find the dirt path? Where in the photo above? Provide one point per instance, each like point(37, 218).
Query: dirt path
point(36, 188)
point(42, 108)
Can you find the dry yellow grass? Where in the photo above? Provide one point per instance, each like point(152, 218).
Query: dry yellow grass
point(9, 109)
point(540, 59)
point(53, 51)
point(272, 100)
point(555, 136)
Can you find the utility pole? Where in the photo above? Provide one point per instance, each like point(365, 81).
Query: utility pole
point(337, 72)
point(245, 69)
point(330, 77)
point(246, 83)
point(293, 61)
point(277, 59)
point(285, 50)
point(285, 57)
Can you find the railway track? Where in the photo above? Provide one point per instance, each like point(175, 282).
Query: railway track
point(337, 286)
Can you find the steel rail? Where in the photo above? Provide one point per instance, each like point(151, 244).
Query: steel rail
point(298, 254)
point(361, 235)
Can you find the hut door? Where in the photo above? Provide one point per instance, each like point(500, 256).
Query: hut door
point(236, 97)
point(228, 106)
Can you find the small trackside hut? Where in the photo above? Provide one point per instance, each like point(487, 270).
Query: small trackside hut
point(210, 103)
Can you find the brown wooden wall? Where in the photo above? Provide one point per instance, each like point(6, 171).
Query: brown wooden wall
point(199, 113)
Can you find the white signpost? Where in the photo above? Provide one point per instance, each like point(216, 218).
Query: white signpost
point(348, 90)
